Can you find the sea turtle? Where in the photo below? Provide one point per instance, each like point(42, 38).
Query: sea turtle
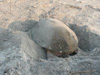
point(55, 37)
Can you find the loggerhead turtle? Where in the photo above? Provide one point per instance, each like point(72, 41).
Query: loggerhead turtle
point(55, 37)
